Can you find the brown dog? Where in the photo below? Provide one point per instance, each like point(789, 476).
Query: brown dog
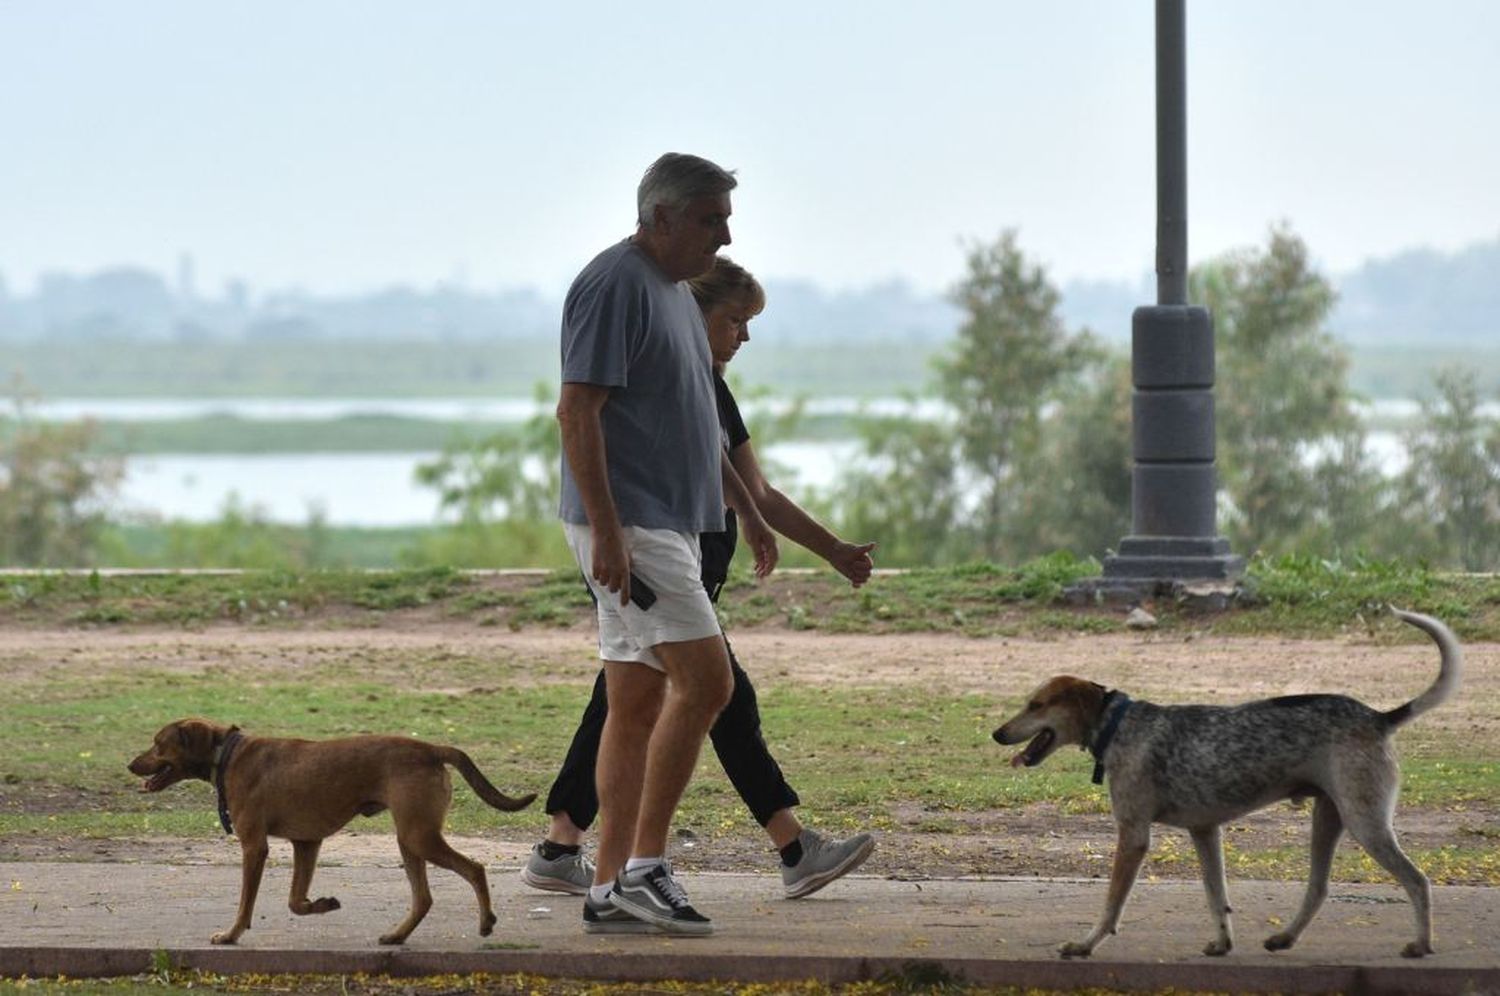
point(304, 791)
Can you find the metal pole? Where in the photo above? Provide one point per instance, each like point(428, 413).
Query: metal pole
point(1173, 480)
point(1171, 152)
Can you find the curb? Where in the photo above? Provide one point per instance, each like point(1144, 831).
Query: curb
point(74, 962)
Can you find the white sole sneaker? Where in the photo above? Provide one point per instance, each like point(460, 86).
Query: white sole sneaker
point(549, 884)
point(812, 883)
point(643, 899)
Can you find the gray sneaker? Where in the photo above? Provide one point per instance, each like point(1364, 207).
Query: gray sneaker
point(606, 918)
point(571, 873)
point(653, 895)
point(823, 861)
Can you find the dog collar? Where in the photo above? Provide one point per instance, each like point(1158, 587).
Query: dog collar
point(221, 764)
point(1114, 707)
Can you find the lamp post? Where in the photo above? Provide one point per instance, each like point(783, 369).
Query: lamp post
point(1173, 481)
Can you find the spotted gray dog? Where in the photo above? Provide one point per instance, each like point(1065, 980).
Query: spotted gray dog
point(1198, 766)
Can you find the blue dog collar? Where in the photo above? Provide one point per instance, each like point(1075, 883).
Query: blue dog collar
point(1116, 704)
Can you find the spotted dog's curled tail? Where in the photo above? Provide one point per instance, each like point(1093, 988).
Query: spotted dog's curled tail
point(1448, 671)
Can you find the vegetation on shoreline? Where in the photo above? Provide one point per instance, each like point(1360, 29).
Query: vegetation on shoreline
point(500, 369)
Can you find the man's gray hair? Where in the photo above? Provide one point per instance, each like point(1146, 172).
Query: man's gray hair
point(675, 179)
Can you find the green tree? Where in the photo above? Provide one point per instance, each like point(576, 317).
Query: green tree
point(53, 490)
point(1450, 489)
point(503, 491)
point(980, 486)
point(1291, 453)
point(1075, 491)
point(1012, 356)
point(512, 473)
point(904, 492)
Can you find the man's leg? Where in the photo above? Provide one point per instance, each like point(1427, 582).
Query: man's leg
point(635, 694)
point(698, 686)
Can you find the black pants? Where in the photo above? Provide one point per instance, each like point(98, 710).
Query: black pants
point(736, 738)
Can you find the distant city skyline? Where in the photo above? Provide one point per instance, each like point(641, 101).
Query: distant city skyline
point(344, 147)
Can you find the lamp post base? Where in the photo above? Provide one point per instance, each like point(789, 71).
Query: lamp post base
point(1189, 558)
point(1195, 573)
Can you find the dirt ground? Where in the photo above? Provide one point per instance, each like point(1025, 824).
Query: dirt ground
point(1036, 840)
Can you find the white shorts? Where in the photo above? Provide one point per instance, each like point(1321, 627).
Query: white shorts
point(671, 565)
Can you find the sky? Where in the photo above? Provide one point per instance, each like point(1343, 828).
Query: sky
point(343, 147)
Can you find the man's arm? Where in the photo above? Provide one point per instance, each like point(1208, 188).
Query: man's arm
point(578, 408)
point(758, 535)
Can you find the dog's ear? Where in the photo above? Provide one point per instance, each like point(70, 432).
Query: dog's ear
point(196, 738)
point(1087, 696)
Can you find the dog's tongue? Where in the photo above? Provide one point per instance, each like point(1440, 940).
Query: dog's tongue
point(1019, 760)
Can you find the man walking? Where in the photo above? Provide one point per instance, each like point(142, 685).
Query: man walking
point(640, 480)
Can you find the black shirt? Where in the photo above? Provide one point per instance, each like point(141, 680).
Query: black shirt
point(718, 547)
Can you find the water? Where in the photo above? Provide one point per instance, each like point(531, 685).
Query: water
point(347, 489)
point(350, 489)
point(378, 489)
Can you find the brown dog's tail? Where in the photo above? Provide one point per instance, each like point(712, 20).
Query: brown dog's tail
point(480, 784)
point(1448, 671)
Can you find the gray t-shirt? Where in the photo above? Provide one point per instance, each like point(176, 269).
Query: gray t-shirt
point(627, 327)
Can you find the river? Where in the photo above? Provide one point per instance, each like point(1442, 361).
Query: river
point(379, 489)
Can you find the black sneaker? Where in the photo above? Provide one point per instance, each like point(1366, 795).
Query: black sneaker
point(604, 918)
point(652, 895)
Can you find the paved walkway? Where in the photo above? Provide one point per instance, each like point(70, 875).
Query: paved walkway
point(90, 919)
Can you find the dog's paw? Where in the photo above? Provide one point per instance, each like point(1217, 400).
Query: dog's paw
point(1218, 947)
point(392, 939)
point(487, 924)
point(326, 904)
point(1416, 949)
point(224, 937)
point(1280, 942)
point(1074, 949)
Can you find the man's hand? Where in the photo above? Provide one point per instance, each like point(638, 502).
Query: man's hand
point(611, 562)
point(762, 543)
point(853, 561)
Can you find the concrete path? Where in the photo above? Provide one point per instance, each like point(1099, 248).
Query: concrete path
point(92, 919)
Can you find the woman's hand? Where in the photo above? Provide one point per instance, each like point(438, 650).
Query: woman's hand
point(762, 543)
point(853, 561)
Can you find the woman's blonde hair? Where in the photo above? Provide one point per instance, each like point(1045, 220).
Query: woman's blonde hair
point(727, 281)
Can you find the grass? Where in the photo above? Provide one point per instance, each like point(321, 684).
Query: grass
point(1287, 596)
point(194, 599)
point(864, 751)
point(873, 756)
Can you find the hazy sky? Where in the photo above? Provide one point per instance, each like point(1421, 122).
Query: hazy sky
point(347, 146)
